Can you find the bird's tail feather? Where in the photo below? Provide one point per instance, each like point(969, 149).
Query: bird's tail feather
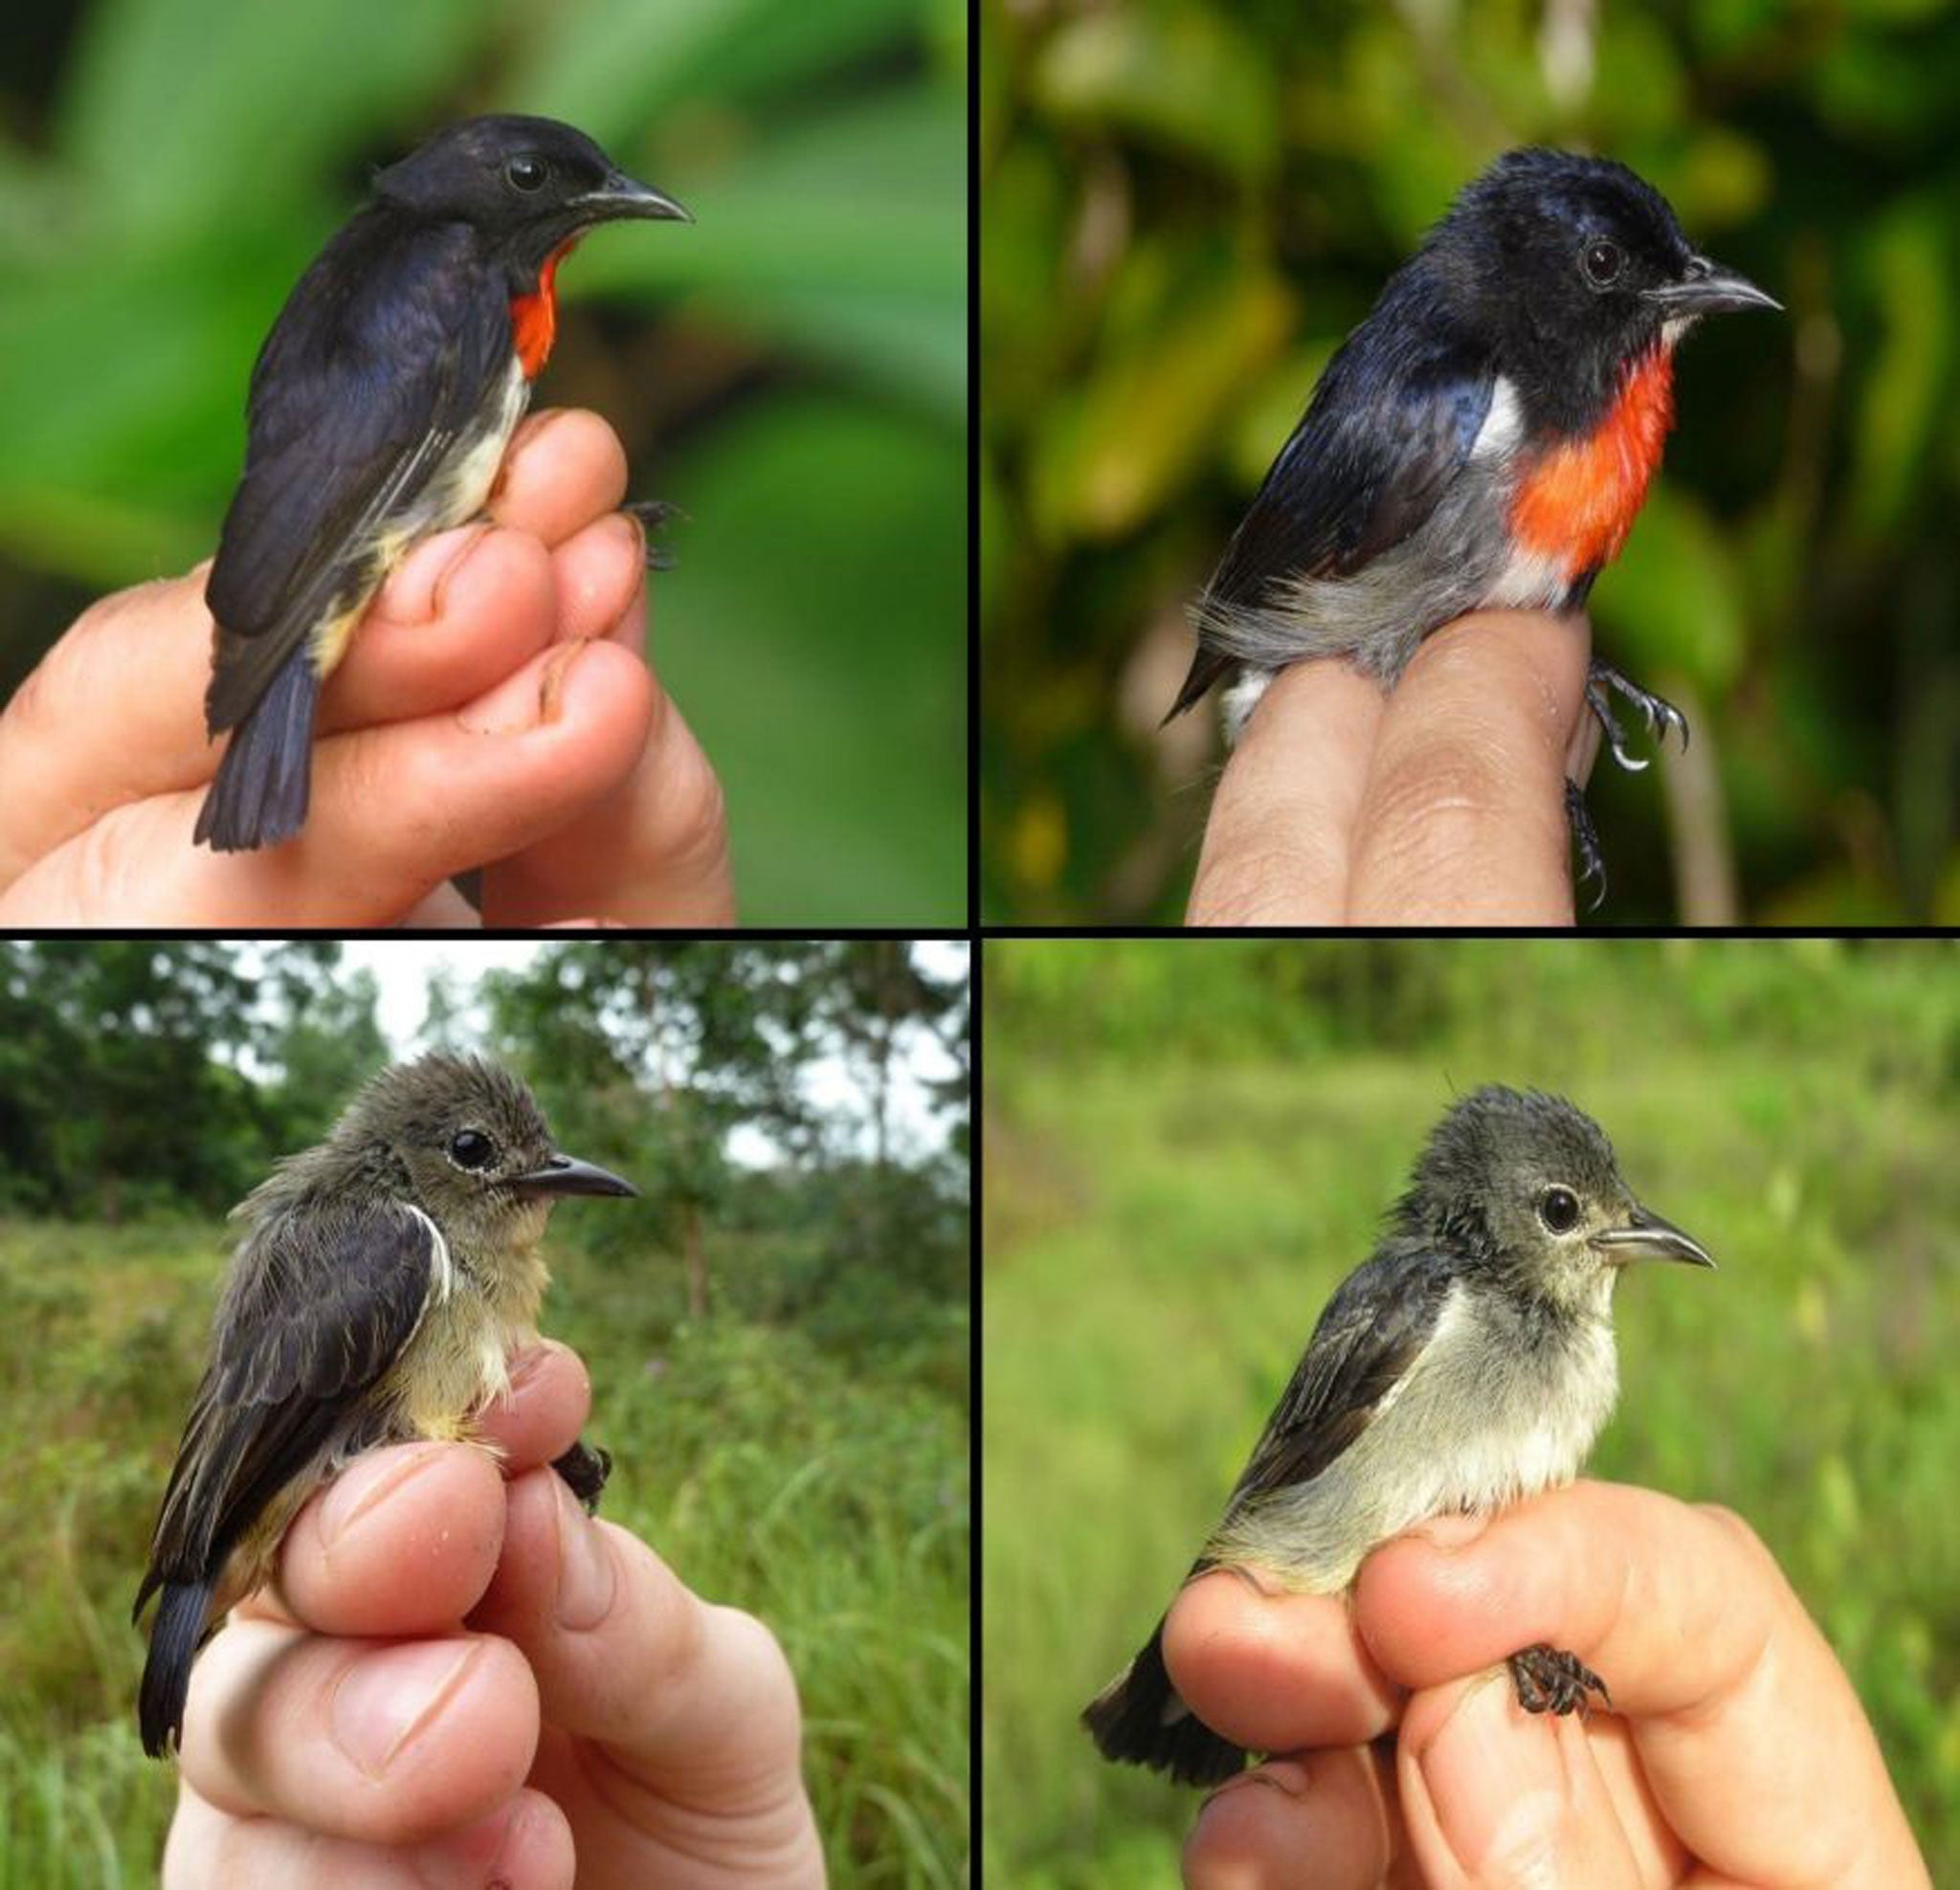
point(260, 796)
point(1138, 1717)
point(166, 1673)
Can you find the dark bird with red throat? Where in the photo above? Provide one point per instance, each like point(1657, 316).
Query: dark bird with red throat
point(379, 411)
point(1484, 439)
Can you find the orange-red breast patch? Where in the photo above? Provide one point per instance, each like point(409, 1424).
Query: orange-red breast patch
point(1580, 501)
point(534, 317)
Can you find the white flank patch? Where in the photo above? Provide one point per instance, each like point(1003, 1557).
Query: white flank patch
point(441, 1268)
point(1504, 426)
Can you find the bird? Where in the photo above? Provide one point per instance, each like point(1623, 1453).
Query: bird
point(378, 413)
point(382, 1279)
point(1485, 438)
point(1469, 1362)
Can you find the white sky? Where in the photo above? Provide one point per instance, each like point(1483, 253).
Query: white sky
point(401, 969)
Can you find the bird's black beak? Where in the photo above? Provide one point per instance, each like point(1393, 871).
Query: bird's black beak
point(563, 1176)
point(1706, 288)
point(622, 196)
point(1646, 1236)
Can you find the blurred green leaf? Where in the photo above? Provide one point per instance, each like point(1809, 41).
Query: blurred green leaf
point(1108, 453)
point(1672, 601)
point(1910, 263)
point(176, 107)
point(1181, 74)
point(843, 233)
point(612, 65)
point(815, 638)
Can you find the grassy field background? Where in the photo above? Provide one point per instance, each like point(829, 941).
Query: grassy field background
point(820, 1488)
point(1189, 1143)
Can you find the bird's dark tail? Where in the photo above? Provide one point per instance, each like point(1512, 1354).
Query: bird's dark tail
point(1207, 666)
point(1138, 1717)
point(166, 1673)
point(260, 796)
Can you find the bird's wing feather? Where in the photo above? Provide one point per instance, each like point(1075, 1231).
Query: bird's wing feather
point(325, 1327)
point(1373, 1328)
point(1359, 473)
point(357, 400)
point(1391, 423)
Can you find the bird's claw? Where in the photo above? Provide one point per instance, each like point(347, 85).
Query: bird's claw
point(1655, 711)
point(1585, 843)
point(1552, 1680)
point(1616, 735)
point(653, 514)
point(585, 1468)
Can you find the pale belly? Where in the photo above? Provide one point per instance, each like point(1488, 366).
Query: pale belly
point(453, 494)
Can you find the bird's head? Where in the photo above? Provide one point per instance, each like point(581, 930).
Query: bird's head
point(1524, 1183)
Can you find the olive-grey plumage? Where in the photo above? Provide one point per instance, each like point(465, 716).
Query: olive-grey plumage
point(1469, 1362)
point(382, 1279)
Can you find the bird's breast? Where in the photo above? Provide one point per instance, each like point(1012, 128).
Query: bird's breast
point(1574, 503)
point(534, 314)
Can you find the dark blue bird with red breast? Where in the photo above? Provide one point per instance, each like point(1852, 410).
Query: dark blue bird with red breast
point(1485, 438)
point(379, 410)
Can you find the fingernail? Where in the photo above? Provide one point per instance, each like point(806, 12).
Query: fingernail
point(585, 1569)
point(638, 532)
point(524, 1366)
point(551, 690)
point(387, 1696)
point(525, 702)
point(1496, 1782)
point(413, 591)
point(350, 1497)
point(1285, 1776)
point(1448, 1532)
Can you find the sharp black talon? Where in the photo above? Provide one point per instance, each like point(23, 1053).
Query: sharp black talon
point(653, 515)
point(1585, 843)
point(1549, 1679)
point(1609, 727)
point(1655, 711)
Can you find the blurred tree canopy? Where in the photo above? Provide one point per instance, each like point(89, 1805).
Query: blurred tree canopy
point(139, 1076)
point(1187, 204)
point(791, 371)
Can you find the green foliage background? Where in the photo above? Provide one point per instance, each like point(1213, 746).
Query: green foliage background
point(1187, 203)
point(791, 371)
point(1187, 1146)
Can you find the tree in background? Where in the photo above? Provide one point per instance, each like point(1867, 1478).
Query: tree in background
point(653, 1052)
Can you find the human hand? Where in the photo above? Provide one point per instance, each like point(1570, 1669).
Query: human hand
point(459, 1680)
point(1439, 803)
point(495, 709)
point(1735, 1752)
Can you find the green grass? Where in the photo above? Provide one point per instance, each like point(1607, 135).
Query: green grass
point(826, 1494)
point(1163, 1226)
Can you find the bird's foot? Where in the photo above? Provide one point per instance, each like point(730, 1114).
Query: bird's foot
point(1655, 711)
point(1551, 1681)
point(1586, 844)
point(585, 1468)
point(653, 514)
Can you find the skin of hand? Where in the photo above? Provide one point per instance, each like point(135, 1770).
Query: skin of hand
point(1736, 1752)
point(460, 1678)
point(1441, 802)
point(494, 709)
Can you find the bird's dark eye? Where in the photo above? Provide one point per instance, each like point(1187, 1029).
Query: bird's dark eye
point(526, 172)
point(470, 1149)
point(1602, 262)
point(1558, 1208)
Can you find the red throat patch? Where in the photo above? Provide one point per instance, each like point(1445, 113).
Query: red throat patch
point(534, 317)
point(1578, 504)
